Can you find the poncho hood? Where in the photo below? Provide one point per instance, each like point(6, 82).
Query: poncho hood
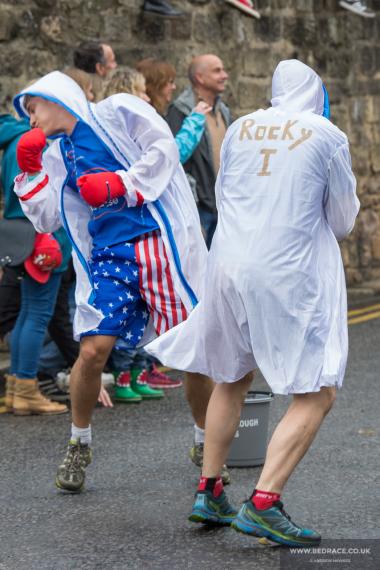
point(58, 88)
point(297, 88)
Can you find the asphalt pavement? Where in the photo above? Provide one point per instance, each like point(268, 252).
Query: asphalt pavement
point(133, 514)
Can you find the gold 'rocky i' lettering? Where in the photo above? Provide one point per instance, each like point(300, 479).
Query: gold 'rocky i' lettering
point(267, 152)
point(250, 131)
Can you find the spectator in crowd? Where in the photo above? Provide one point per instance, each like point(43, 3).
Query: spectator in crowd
point(358, 7)
point(160, 86)
point(95, 57)
point(98, 59)
point(207, 82)
point(127, 80)
point(159, 81)
point(28, 314)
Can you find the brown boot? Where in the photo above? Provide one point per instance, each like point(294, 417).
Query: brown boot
point(29, 400)
point(9, 392)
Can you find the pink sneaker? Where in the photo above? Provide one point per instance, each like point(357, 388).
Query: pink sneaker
point(245, 6)
point(157, 379)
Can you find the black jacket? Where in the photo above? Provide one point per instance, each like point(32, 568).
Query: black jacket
point(200, 165)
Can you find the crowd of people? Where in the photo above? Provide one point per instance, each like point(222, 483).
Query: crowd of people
point(134, 189)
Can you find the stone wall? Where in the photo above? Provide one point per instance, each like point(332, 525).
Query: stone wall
point(36, 37)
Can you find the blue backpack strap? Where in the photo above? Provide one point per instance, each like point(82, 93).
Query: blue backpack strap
point(326, 103)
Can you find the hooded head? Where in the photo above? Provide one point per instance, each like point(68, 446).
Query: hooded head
point(58, 89)
point(296, 87)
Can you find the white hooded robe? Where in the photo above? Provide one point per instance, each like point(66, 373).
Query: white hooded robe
point(275, 294)
point(144, 146)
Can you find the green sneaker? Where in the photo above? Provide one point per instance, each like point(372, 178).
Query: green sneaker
point(123, 391)
point(196, 456)
point(139, 385)
point(211, 510)
point(274, 524)
point(72, 472)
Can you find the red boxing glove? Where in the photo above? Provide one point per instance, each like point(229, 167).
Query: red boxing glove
point(99, 188)
point(29, 151)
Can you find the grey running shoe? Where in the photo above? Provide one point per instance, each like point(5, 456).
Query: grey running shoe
point(196, 456)
point(72, 472)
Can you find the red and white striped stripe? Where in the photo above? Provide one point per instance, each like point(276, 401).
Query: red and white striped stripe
point(35, 190)
point(156, 283)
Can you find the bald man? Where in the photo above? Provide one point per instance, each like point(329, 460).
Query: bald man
point(207, 83)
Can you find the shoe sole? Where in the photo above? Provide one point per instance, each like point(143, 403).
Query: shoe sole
point(245, 9)
point(157, 13)
point(72, 491)
point(60, 399)
point(252, 529)
point(353, 11)
point(27, 413)
point(164, 387)
point(209, 519)
point(128, 400)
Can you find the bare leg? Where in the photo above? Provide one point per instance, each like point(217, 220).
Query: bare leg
point(222, 420)
point(85, 378)
point(293, 437)
point(198, 390)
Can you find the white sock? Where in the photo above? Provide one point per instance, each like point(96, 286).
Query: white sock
point(199, 434)
point(83, 433)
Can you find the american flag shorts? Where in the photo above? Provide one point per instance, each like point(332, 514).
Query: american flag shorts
point(132, 281)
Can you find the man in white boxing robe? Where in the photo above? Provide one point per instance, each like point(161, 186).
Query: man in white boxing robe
point(276, 295)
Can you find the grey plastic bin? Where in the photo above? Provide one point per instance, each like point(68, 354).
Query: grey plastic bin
point(249, 445)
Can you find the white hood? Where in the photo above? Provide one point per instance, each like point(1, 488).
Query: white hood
point(296, 87)
point(59, 88)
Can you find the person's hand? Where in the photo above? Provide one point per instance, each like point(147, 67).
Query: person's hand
point(96, 189)
point(202, 107)
point(104, 398)
point(29, 151)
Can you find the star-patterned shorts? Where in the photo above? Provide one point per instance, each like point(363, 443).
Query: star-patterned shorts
point(132, 283)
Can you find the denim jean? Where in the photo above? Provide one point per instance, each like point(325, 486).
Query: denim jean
point(54, 358)
point(37, 307)
point(208, 223)
point(124, 359)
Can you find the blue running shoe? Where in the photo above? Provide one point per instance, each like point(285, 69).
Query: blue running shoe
point(274, 524)
point(211, 510)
